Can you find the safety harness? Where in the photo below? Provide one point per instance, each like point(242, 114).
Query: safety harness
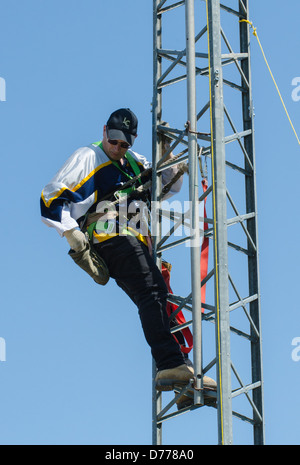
point(134, 184)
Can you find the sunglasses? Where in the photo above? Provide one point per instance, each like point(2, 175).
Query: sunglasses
point(123, 145)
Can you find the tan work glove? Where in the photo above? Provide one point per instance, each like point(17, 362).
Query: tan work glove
point(86, 258)
point(76, 239)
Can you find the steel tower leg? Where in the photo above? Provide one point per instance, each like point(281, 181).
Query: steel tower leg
point(253, 262)
point(220, 224)
point(156, 189)
point(193, 197)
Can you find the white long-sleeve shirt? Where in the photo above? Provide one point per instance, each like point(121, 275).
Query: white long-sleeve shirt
point(85, 178)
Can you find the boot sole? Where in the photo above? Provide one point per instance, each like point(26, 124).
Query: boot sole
point(209, 401)
point(169, 384)
point(189, 401)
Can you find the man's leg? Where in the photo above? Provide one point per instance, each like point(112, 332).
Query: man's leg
point(134, 270)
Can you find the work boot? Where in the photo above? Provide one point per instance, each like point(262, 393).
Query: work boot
point(187, 399)
point(166, 379)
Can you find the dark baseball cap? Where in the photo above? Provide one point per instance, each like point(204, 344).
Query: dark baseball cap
point(122, 125)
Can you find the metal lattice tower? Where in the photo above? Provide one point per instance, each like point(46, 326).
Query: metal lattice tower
point(213, 127)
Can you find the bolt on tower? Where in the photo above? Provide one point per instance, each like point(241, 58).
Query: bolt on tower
point(202, 89)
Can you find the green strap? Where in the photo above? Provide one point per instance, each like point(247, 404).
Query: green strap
point(118, 194)
point(135, 167)
point(101, 226)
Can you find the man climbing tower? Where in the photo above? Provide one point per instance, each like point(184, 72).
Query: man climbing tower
point(104, 244)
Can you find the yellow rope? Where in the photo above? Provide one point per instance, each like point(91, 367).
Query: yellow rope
point(215, 243)
point(255, 34)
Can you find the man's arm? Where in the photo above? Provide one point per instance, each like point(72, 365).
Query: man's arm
point(169, 175)
point(70, 193)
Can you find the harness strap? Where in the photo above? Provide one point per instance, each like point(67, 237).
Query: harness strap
point(133, 164)
point(171, 308)
point(94, 219)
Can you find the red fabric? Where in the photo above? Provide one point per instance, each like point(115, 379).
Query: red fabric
point(204, 250)
point(179, 317)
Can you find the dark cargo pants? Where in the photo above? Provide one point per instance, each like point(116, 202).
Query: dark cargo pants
point(134, 270)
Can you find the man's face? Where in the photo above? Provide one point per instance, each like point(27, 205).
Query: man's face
point(115, 149)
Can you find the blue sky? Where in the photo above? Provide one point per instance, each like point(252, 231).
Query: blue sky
point(77, 368)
